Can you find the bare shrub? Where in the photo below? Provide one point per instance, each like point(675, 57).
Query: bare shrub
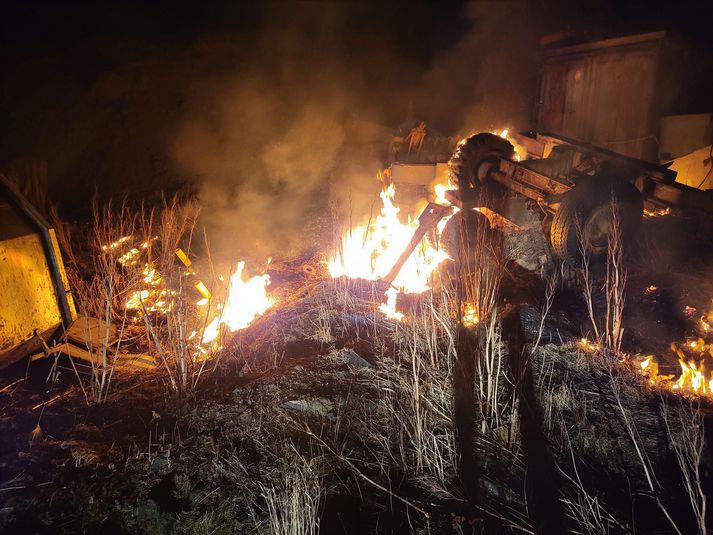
point(686, 438)
point(135, 284)
point(103, 295)
point(550, 290)
point(608, 329)
point(173, 322)
point(615, 284)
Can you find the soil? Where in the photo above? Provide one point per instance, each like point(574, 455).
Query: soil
point(320, 397)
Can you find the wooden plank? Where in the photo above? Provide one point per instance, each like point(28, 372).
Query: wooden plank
point(126, 362)
point(606, 43)
point(91, 331)
point(27, 297)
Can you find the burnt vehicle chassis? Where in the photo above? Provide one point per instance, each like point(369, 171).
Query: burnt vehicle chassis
point(578, 188)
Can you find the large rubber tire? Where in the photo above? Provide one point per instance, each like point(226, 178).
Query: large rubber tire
point(468, 238)
point(589, 207)
point(476, 156)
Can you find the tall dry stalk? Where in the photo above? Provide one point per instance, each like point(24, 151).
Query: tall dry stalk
point(550, 290)
point(687, 441)
point(103, 296)
point(481, 287)
point(175, 331)
point(609, 328)
point(293, 506)
point(587, 280)
point(615, 284)
point(643, 457)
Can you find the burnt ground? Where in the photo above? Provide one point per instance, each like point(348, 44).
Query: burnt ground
point(323, 411)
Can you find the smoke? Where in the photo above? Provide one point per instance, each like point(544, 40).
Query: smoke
point(284, 134)
point(487, 80)
point(265, 134)
point(261, 155)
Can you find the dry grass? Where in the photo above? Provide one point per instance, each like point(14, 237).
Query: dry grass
point(132, 256)
point(686, 438)
point(293, 505)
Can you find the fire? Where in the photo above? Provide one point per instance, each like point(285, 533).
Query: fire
point(657, 212)
point(115, 245)
point(695, 377)
point(154, 297)
point(588, 345)
point(371, 250)
point(389, 308)
point(247, 299)
point(520, 152)
point(470, 315)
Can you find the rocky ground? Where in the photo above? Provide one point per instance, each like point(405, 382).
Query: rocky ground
point(324, 416)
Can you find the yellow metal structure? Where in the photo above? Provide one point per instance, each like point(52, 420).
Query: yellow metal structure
point(34, 294)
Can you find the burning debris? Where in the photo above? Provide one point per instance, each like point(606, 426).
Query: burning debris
point(246, 300)
point(483, 346)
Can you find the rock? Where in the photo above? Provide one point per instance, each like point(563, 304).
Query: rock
point(351, 358)
point(318, 406)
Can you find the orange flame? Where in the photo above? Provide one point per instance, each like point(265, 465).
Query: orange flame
point(247, 299)
point(370, 251)
point(695, 378)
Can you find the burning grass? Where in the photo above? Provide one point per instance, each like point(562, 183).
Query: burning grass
point(314, 409)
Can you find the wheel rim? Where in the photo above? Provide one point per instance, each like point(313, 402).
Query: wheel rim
point(597, 229)
point(484, 169)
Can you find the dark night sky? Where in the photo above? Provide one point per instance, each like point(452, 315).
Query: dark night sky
point(420, 30)
point(29, 27)
point(382, 54)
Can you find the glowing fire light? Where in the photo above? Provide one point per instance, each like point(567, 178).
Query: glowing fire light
point(115, 245)
point(370, 251)
point(695, 377)
point(657, 212)
point(247, 299)
point(389, 308)
point(587, 345)
point(470, 315)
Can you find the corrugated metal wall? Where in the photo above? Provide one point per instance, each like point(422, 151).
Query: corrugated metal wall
point(604, 93)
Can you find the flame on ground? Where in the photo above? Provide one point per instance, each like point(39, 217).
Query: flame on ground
point(695, 377)
point(657, 212)
point(389, 308)
point(371, 250)
point(247, 299)
point(470, 315)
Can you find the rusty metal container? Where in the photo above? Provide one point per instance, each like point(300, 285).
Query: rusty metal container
point(605, 93)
